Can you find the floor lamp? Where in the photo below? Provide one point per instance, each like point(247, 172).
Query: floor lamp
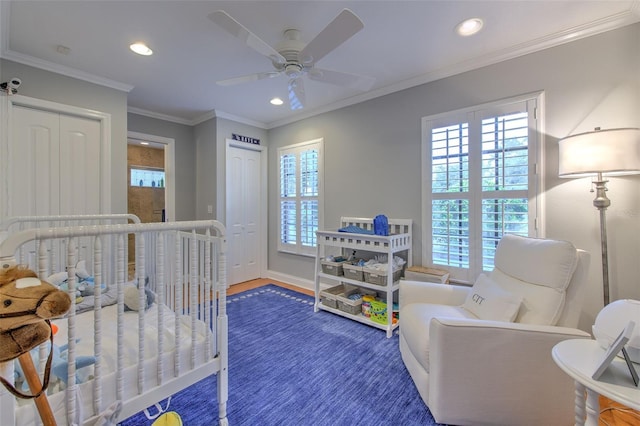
point(612, 152)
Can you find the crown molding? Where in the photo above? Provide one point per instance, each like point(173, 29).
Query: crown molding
point(201, 119)
point(221, 114)
point(159, 116)
point(63, 70)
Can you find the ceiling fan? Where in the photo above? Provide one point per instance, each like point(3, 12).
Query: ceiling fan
point(295, 59)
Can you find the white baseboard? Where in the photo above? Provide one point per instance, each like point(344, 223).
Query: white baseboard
point(290, 279)
point(297, 281)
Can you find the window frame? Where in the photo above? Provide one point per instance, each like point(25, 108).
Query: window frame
point(533, 103)
point(297, 149)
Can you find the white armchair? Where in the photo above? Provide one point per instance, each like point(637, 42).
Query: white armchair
point(470, 364)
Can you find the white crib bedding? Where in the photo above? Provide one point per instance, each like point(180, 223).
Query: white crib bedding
point(84, 331)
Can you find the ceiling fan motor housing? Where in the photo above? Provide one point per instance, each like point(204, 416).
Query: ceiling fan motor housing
point(290, 49)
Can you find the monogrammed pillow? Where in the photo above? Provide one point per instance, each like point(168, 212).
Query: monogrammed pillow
point(488, 301)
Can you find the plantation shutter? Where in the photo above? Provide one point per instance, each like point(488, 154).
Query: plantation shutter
point(479, 169)
point(300, 182)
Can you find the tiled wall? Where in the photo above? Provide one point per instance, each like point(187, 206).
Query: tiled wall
point(145, 202)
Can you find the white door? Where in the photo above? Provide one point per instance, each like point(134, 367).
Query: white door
point(243, 214)
point(33, 163)
point(79, 166)
point(54, 164)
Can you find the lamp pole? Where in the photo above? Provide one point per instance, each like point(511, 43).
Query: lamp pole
point(601, 202)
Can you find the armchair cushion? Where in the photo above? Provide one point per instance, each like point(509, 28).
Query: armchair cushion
point(488, 301)
point(547, 263)
point(538, 270)
point(416, 316)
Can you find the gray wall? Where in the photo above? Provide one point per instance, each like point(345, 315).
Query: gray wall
point(185, 155)
point(41, 84)
point(372, 150)
point(205, 165)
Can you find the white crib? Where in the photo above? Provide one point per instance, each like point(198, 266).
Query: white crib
point(184, 334)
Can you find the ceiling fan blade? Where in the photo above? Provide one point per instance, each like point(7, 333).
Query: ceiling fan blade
point(343, 27)
point(247, 78)
point(355, 81)
point(296, 93)
point(238, 30)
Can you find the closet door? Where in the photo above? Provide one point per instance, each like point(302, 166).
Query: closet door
point(34, 163)
point(79, 166)
point(243, 214)
point(54, 164)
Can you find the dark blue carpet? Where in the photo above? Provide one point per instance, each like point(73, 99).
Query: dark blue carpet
point(291, 366)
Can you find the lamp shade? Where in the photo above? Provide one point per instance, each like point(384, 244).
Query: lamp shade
point(612, 152)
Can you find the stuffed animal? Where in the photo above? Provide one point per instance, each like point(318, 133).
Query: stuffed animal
point(85, 284)
point(26, 306)
point(25, 303)
point(132, 298)
point(59, 365)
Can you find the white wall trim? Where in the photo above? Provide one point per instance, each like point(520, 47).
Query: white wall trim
point(105, 133)
point(200, 119)
point(297, 281)
point(159, 116)
point(290, 279)
point(169, 169)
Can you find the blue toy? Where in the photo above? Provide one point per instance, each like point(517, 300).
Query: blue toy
point(59, 364)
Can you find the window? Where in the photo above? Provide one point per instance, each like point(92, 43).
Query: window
point(481, 181)
point(300, 178)
point(147, 177)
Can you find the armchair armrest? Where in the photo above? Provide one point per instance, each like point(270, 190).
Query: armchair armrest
point(498, 368)
point(424, 292)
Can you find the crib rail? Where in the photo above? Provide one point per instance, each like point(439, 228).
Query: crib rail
point(27, 254)
point(183, 263)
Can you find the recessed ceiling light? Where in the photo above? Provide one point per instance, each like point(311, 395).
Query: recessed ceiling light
point(144, 143)
point(469, 27)
point(141, 49)
point(276, 101)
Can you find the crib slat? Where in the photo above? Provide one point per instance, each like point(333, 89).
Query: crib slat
point(193, 293)
point(71, 330)
point(140, 274)
point(160, 296)
point(178, 306)
point(97, 324)
point(120, 270)
point(207, 291)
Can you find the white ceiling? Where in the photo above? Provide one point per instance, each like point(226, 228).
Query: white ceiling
point(403, 44)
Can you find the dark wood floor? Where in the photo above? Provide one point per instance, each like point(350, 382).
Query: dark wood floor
point(613, 414)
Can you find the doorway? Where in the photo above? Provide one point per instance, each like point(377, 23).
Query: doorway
point(146, 182)
point(150, 181)
point(167, 147)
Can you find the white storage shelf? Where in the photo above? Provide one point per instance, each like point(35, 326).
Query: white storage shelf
point(399, 240)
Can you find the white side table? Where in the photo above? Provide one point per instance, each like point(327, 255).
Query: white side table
point(579, 358)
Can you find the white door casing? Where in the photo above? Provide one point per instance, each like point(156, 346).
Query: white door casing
point(244, 211)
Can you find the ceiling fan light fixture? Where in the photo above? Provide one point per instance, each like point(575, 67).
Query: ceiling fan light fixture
point(276, 101)
point(141, 49)
point(469, 27)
